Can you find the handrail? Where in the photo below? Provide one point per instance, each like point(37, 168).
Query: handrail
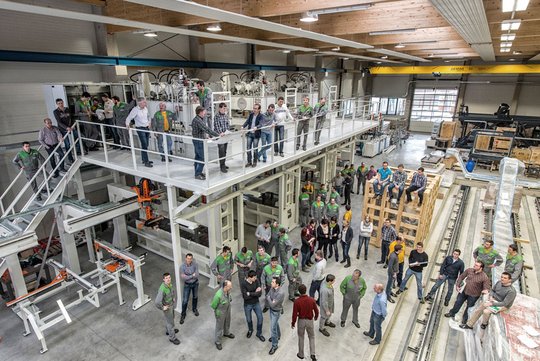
point(6, 191)
point(46, 176)
point(357, 111)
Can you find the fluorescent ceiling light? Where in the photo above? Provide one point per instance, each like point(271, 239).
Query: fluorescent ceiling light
point(286, 51)
point(420, 42)
point(384, 57)
point(397, 54)
point(517, 52)
point(505, 50)
point(510, 24)
point(392, 32)
point(337, 48)
point(379, 62)
point(59, 13)
point(150, 34)
point(359, 57)
point(511, 59)
point(468, 18)
point(214, 28)
point(514, 5)
point(309, 17)
point(188, 7)
point(506, 45)
point(508, 37)
point(345, 58)
point(434, 49)
point(399, 46)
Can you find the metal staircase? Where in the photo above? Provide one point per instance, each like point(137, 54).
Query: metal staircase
point(19, 219)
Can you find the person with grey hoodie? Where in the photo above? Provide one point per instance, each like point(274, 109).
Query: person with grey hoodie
point(326, 302)
point(393, 269)
point(267, 128)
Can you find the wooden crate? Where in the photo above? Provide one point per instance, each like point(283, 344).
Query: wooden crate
point(409, 220)
point(505, 129)
point(447, 130)
point(523, 154)
point(535, 156)
point(502, 143)
point(483, 142)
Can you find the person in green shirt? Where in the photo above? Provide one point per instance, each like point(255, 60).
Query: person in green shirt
point(332, 209)
point(221, 304)
point(322, 192)
point(30, 160)
point(293, 274)
point(353, 288)
point(488, 256)
point(284, 246)
point(305, 112)
point(320, 111)
point(166, 302)
point(334, 194)
point(244, 262)
point(303, 207)
point(274, 238)
point(317, 210)
point(262, 259)
point(223, 265)
point(514, 262)
point(162, 122)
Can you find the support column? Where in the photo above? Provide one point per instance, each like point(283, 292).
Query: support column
point(240, 218)
point(16, 274)
point(196, 53)
point(282, 200)
point(87, 232)
point(517, 93)
point(70, 257)
point(212, 243)
point(172, 200)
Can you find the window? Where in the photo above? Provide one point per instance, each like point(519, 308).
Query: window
point(433, 105)
point(388, 106)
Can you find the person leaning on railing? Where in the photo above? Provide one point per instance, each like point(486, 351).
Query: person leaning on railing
point(49, 137)
point(221, 125)
point(282, 114)
point(121, 111)
point(65, 125)
point(320, 111)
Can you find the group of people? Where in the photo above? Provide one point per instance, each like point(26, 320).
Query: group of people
point(262, 272)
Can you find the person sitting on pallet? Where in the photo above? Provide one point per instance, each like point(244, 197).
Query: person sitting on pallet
point(418, 185)
point(398, 181)
point(384, 175)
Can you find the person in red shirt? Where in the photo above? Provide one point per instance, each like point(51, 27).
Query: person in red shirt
point(305, 310)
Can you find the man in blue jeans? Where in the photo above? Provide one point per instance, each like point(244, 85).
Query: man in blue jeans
point(418, 259)
point(199, 131)
point(253, 134)
point(450, 270)
point(274, 301)
point(251, 292)
point(384, 175)
point(378, 314)
point(189, 272)
point(267, 128)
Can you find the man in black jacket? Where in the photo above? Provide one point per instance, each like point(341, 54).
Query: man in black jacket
point(450, 270)
point(393, 269)
point(418, 259)
point(251, 292)
point(253, 134)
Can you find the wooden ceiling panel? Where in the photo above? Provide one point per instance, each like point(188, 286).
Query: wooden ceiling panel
point(383, 15)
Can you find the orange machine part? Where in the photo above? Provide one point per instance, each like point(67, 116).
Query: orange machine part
point(60, 277)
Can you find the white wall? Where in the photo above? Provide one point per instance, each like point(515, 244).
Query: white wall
point(129, 43)
point(390, 85)
point(227, 53)
point(483, 97)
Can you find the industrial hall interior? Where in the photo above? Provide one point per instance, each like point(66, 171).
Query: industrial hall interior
point(348, 180)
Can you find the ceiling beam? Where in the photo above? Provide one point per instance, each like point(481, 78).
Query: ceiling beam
point(59, 13)
point(235, 18)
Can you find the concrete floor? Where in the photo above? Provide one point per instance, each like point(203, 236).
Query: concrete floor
point(115, 332)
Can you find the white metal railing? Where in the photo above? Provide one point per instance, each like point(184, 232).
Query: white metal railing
point(41, 172)
point(334, 126)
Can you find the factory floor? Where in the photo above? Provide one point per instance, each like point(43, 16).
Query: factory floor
point(114, 332)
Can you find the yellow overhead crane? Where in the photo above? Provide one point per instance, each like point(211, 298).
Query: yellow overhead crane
point(457, 69)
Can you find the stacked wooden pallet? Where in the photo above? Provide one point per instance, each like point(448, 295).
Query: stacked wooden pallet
point(411, 221)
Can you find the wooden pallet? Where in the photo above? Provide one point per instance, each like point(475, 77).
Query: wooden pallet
point(409, 220)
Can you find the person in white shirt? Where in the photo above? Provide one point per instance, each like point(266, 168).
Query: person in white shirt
point(282, 114)
point(108, 108)
point(142, 123)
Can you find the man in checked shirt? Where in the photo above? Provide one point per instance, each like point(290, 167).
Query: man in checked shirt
point(388, 235)
point(418, 185)
point(221, 125)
